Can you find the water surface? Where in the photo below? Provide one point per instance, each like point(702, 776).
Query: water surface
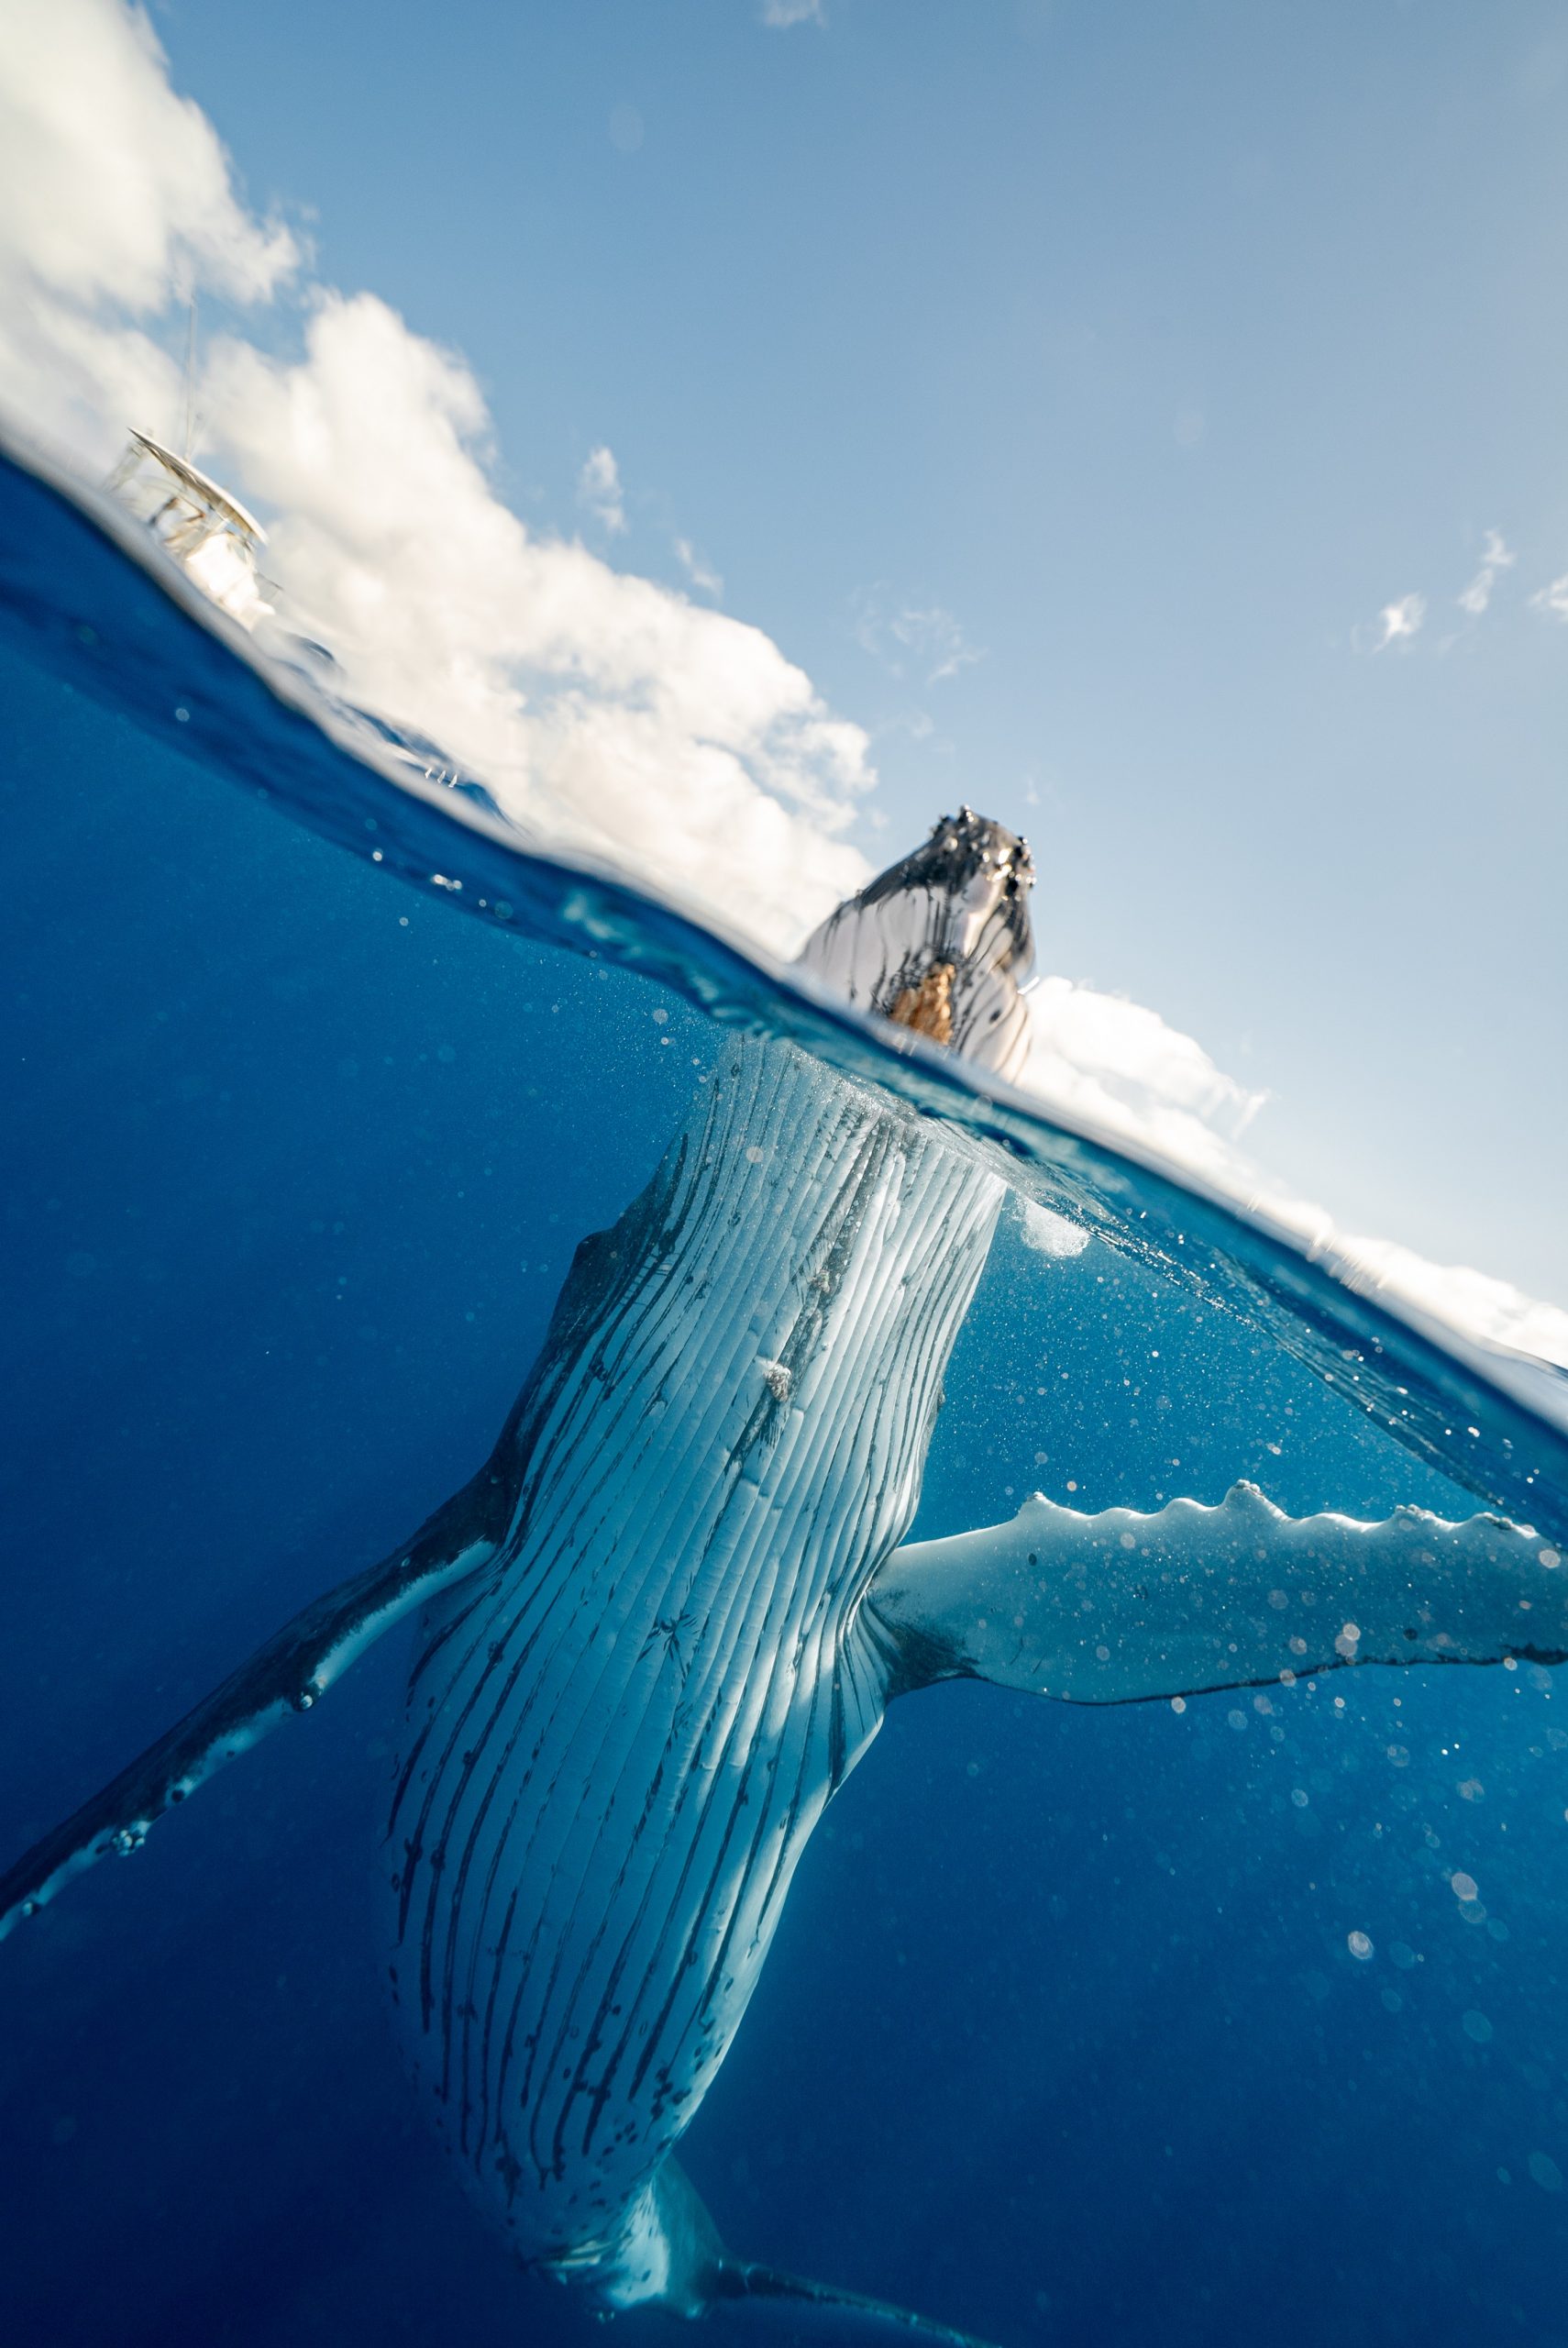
point(1064, 2035)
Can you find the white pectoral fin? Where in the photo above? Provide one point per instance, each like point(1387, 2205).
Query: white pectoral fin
point(1120, 1607)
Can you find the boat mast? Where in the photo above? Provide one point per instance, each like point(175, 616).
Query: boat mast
point(190, 380)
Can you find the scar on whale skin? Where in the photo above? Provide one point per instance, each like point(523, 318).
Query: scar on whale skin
point(663, 1621)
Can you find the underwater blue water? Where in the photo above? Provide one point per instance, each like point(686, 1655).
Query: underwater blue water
point(1061, 2037)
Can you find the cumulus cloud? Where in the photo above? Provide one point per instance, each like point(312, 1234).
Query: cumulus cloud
point(1495, 557)
point(602, 709)
point(1122, 1066)
point(782, 14)
point(116, 199)
point(599, 488)
point(1401, 621)
point(109, 182)
point(1475, 1302)
point(1122, 1070)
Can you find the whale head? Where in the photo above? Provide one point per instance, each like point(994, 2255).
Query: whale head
point(941, 942)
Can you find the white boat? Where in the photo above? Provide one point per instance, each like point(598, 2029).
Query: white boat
point(209, 532)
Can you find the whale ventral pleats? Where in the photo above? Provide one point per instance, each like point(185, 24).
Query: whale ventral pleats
point(941, 942)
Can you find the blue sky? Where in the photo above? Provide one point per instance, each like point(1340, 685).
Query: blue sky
point(1067, 390)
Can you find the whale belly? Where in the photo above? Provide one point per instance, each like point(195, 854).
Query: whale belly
point(619, 1738)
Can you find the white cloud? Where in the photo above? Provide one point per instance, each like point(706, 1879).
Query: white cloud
point(1473, 1301)
point(599, 708)
point(116, 198)
point(599, 488)
point(784, 13)
point(929, 639)
point(1400, 621)
point(109, 182)
point(603, 710)
point(1121, 1069)
point(1495, 557)
point(1122, 1066)
point(703, 575)
point(1552, 599)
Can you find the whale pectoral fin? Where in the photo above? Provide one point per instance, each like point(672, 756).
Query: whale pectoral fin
point(1120, 1608)
point(286, 1675)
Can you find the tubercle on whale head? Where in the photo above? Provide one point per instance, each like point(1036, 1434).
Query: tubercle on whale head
point(941, 942)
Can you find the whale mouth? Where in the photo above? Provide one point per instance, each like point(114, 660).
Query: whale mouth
point(941, 942)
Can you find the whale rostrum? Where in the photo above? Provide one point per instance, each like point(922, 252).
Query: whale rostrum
point(665, 1619)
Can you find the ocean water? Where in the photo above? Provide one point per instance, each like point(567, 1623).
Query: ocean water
point(1062, 2036)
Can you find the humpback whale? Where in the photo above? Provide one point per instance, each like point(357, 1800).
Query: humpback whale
point(664, 1618)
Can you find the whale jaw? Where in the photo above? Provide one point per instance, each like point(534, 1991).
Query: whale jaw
point(941, 942)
